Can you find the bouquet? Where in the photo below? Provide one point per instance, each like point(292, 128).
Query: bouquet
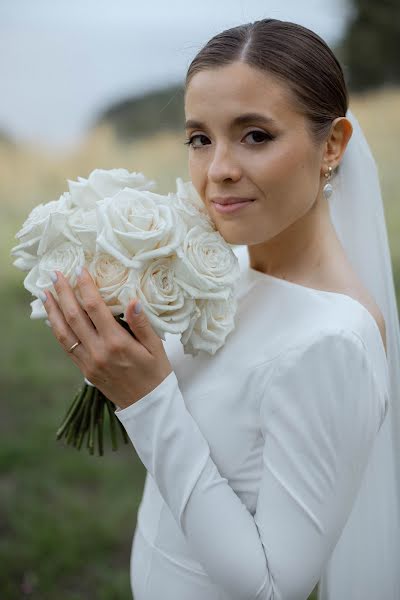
point(162, 249)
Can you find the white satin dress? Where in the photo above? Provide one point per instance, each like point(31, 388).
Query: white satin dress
point(254, 456)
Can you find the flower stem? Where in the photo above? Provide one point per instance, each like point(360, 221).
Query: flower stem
point(85, 418)
point(112, 418)
point(100, 422)
point(93, 410)
point(74, 407)
point(77, 419)
point(72, 428)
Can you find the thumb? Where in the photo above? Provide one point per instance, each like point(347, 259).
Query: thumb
point(140, 325)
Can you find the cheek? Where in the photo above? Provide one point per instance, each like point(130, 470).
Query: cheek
point(288, 183)
point(198, 173)
point(283, 173)
point(272, 169)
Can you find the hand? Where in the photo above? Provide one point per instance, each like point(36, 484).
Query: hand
point(124, 368)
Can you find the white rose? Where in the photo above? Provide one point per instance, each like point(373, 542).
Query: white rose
point(109, 276)
point(64, 258)
point(45, 223)
point(138, 226)
point(166, 305)
point(38, 311)
point(209, 330)
point(103, 183)
point(84, 225)
point(208, 267)
point(190, 205)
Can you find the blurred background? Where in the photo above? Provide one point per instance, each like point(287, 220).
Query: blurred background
point(95, 84)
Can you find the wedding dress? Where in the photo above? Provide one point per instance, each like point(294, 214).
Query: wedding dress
point(255, 455)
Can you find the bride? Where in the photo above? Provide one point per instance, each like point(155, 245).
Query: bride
point(272, 466)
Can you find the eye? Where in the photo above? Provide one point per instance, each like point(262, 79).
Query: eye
point(190, 141)
point(259, 137)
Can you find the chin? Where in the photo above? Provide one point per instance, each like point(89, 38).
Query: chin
point(234, 238)
point(233, 233)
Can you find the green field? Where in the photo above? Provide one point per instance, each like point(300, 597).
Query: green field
point(67, 518)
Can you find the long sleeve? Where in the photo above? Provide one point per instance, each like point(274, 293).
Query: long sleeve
point(320, 410)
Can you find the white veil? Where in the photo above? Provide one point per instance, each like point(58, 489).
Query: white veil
point(365, 563)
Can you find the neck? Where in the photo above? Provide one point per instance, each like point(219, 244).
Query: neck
point(301, 251)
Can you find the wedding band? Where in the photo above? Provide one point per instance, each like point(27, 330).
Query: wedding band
point(74, 346)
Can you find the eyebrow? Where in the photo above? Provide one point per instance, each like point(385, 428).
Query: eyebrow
point(240, 120)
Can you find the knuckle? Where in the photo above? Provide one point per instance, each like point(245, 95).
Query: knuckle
point(71, 315)
point(114, 345)
point(99, 361)
point(91, 304)
point(62, 337)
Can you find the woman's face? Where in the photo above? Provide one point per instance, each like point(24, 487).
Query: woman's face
point(248, 141)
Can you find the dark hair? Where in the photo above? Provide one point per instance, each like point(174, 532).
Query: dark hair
point(295, 55)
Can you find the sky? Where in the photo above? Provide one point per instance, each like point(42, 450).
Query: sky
point(64, 61)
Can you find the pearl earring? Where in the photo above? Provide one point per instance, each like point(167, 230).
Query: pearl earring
point(328, 189)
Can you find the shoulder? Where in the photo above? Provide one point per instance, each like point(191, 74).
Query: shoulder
point(374, 311)
point(335, 348)
point(321, 345)
point(357, 292)
point(330, 369)
point(323, 319)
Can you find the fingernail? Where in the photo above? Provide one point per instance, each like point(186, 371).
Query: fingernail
point(43, 297)
point(53, 276)
point(78, 270)
point(47, 322)
point(138, 307)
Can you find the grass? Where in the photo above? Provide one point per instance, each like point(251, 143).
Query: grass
point(67, 518)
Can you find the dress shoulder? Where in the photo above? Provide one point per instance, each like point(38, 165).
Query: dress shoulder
point(330, 363)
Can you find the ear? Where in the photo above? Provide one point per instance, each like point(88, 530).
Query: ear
point(335, 145)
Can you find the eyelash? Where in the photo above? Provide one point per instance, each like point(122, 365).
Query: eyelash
point(189, 142)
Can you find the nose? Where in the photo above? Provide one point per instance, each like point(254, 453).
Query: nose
point(223, 166)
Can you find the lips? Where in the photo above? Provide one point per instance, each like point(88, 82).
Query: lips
point(230, 200)
point(231, 208)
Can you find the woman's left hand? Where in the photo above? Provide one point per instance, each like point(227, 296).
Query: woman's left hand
point(124, 368)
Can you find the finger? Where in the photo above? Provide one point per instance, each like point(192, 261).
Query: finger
point(62, 331)
point(141, 326)
point(73, 313)
point(93, 303)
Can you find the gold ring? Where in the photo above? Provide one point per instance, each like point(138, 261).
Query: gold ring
point(74, 346)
